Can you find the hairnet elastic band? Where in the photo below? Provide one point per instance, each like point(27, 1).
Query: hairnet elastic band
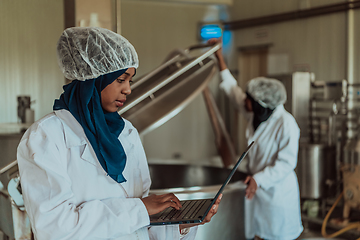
point(264, 105)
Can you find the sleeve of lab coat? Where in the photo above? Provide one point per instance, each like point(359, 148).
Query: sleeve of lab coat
point(49, 198)
point(170, 232)
point(234, 92)
point(286, 160)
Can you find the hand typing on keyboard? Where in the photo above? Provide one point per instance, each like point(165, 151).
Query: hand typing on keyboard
point(157, 203)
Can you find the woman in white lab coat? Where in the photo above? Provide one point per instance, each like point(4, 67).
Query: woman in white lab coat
point(272, 205)
point(83, 170)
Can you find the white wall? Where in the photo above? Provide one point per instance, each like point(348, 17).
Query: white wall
point(245, 9)
point(156, 29)
point(29, 31)
point(317, 44)
point(309, 44)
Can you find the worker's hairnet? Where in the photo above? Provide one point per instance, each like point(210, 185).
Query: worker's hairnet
point(89, 52)
point(268, 92)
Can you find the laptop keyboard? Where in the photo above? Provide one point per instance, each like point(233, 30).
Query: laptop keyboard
point(189, 210)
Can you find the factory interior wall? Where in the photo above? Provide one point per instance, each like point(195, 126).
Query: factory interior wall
point(303, 45)
point(316, 44)
point(28, 66)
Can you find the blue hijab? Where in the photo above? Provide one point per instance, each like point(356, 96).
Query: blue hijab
point(83, 100)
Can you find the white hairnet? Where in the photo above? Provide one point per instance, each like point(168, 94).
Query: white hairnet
point(89, 52)
point(268, 92)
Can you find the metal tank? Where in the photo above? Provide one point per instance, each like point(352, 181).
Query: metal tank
point(194, 182)
point(316, 170)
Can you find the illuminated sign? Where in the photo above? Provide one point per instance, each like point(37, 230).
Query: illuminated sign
point(210, 31)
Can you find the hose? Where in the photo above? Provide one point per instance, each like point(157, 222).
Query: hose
point(341, 231)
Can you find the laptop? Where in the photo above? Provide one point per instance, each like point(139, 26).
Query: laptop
point(193, 211)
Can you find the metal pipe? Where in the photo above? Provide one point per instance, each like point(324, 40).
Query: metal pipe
point(116, 16)
point(7, 167)
point(338, 151)
point(350, 71)
point(294, 15)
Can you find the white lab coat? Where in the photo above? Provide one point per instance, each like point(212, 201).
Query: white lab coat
point(67, 193)
point(274, 212)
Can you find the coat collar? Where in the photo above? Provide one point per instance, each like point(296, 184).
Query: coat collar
point(74, 133)
point(277, 112)
point(75, 136)
point(273, 117)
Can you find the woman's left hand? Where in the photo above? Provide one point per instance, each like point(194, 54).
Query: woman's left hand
point(208, 217)
point(251, 188)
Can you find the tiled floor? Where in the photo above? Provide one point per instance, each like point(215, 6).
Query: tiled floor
point(313, 232)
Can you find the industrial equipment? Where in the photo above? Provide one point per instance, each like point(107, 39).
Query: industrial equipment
point(328, 164)
point(316, 170)
point(14, 222)
point(327, 113)
point(25, 113)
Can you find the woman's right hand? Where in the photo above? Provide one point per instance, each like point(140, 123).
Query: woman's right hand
point(214, 41)
point(157, 203)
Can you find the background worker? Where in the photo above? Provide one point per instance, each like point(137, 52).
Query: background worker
point(272, 205)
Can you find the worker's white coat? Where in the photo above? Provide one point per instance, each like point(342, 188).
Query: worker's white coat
point(67, 193)
point(274, 212)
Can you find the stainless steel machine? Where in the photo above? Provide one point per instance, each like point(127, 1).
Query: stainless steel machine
point(328, 161)
point(316, 170)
